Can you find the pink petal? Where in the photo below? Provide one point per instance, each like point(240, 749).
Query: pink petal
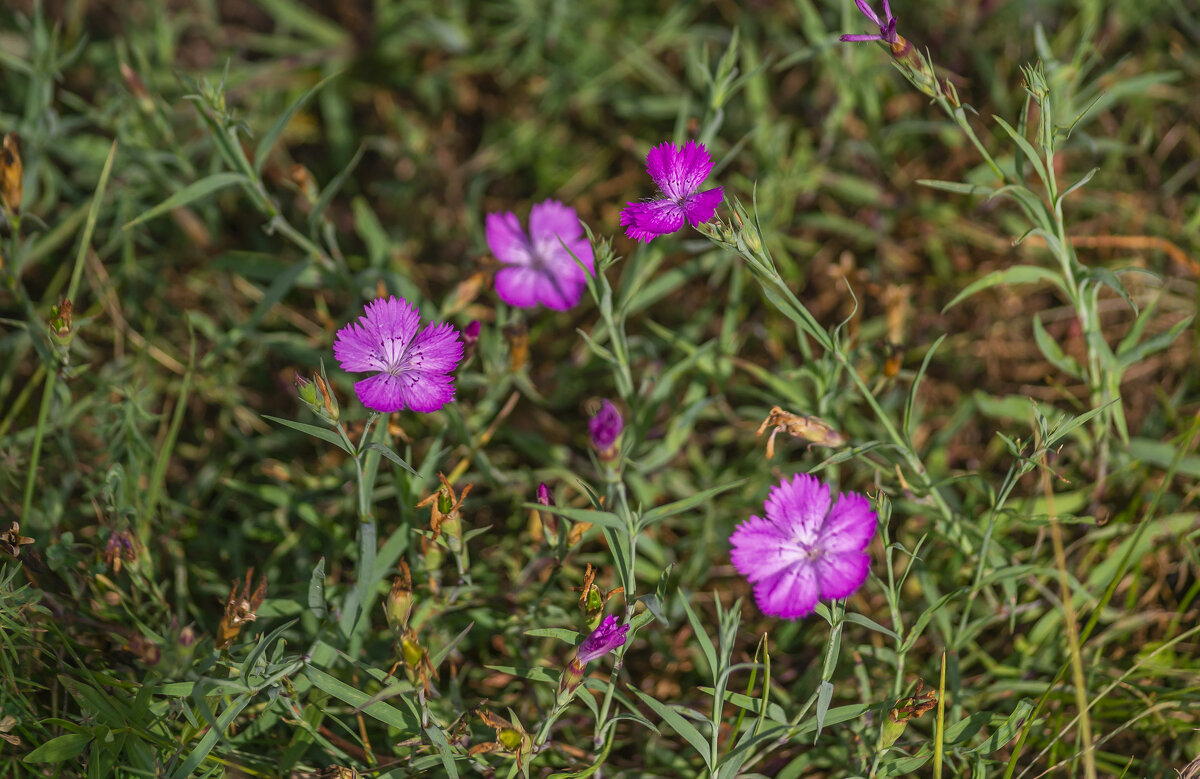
point(678, 172)
point(436, 349)
point(799, 507)
point(551, 220)
point(868, 11)
point(426, 392)
point(850, 526)
point(380, 392)
point(790, 594)
point(562, 291)
point(378, 338)
point(644, 221)
point(506, 239)
point(517, 286)
point(859, 38)
point(700, 207)
point(760, 551)
point(840, 575)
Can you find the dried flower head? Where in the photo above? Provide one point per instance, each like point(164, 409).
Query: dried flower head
point(816, 431)
point(399, 603)
point(444, 506)
point(905, 709)
point(592, 599)
point(12, 174)
point(240, 607)
point(121, 548)
point(804, 550)
point(11, 540)
point(510, 739)
point(417, 663)
point(678, 174)
point(412, 366)
point(539, 268)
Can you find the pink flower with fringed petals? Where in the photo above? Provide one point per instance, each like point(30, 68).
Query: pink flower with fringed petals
point(804, 551)
point(678, 174)
point(412, 366)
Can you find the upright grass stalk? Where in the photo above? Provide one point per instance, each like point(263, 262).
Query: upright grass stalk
point(36, 328)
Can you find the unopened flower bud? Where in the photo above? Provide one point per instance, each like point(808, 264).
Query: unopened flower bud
point(605, 428)
point(471, 333)
point(400, 599)
point(328, 399)
point(307, 390)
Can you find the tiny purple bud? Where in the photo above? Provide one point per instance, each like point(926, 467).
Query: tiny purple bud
point(471, 332)
point(606, 426)
point(603, 640)
point(543, 495)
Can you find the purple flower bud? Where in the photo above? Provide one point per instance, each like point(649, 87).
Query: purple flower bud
point(603, 640)
point(471, 332)
point(543, 495)
point(606, 426)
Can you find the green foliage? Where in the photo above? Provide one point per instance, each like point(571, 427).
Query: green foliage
point(985, 284)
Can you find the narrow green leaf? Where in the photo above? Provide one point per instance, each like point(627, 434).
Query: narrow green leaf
point(956, 187)
point(599, 518)
point(375, 446)
point(60, 748)
point(824, 696)
point(445, 651)
point(706, 644)
point(268, 140)
point(867, 622)
point(562, 634)
point(1026, 148)
point(316, 591)
point(1083, 181)
point(911, 402)
point(1157, 343)
point(1018, 274)
point(193, 191)
point(312, 430)
point(384, 712)
point(659, 513)
point(1007, 730)
point(1053, 352)
point(687, 730)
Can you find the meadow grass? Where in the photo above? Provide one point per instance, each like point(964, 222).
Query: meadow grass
point(963, 270)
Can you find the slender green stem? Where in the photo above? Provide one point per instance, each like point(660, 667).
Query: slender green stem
point(38, 433)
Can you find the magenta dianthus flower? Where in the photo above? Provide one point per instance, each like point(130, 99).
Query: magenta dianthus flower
point(887, 28)
point(412, 369)
point(804, 550)
point(606, 426)
point(603, 640)
point(537, 269)
point(678, 174)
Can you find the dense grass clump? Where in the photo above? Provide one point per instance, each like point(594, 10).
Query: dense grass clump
point(599, 389)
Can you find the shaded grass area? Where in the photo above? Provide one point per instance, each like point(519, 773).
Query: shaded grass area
point(191, 324)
